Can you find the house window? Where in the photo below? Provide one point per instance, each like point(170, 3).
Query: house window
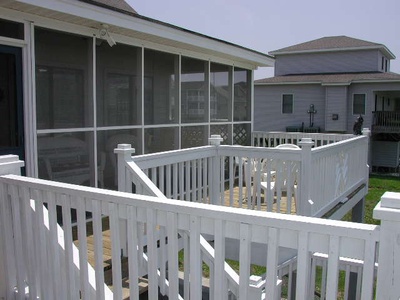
point(383, 62)
point(359, 104)
point(386, 65)
point(287, 104)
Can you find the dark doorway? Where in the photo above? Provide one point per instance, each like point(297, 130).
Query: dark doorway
point(11, 105)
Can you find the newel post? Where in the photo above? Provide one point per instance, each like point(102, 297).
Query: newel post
point(367, 132)
point(215, 178)
point(124, 153)
point(388, 211)
point(9, 164)
point(305, 202)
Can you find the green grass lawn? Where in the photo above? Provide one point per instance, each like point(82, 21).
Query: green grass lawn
point(378, 185)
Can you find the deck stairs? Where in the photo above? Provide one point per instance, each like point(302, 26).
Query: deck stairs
point(107, 258)
point(144, 184)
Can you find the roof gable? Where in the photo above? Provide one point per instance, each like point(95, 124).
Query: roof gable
point(332, 43)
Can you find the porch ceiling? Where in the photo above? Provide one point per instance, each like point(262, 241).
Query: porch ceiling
point(390, 94)
point(139, 27)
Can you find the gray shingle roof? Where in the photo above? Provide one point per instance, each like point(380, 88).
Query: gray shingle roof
point(118, 5)
point(342, 78)
point(334, 43)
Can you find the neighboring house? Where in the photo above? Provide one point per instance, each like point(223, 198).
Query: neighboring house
point(78, 77)
point(343, 78)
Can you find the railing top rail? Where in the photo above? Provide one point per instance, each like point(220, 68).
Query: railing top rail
point(260, 152)
point(341, 144)
point(173, 156)
point(347, 135)
point(228, 214)
point(146, 161)
point(387, 112)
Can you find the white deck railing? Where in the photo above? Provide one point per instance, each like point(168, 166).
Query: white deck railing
point(273, 139)
point(313, 180)
point(169, 219)
point(35, 261)
point(385, 121)
point(339, 173)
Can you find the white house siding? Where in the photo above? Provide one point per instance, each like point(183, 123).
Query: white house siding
point(334, 62)
point(268, 106)
point(369, 89)
point(336, 105)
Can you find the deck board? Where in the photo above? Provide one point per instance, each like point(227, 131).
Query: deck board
point(107, 258)
point(246, 204)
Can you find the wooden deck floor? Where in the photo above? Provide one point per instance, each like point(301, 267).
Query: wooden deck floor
point(263, 205)
point(107, 258)
point(107, 252)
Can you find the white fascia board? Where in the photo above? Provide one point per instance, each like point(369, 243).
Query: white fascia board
point(103, 15)
point(327, 84)
point(377, 47)
point(46, 22)
point(287, 83)
point(82, 30)
point(336, 84)
point(377, 81)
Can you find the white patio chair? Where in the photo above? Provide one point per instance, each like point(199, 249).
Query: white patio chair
point(256, 172)
point(284, 179)
point(287, 146)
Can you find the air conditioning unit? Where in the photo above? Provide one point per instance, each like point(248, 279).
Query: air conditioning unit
point(385, 154)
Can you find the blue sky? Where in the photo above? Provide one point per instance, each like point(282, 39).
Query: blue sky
point(265, 25)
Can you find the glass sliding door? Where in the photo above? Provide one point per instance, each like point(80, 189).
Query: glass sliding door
point(11, 105)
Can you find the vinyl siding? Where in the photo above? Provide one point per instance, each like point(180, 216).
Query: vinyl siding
point(369, 90)
point(327, 100)
point(268, 106)
point(333, 62)
point(336, 98)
